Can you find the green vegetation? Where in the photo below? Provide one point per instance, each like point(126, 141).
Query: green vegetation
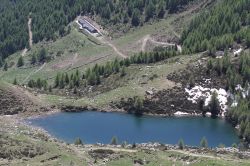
point(237, 74)
point(218, 28)
point(47, 18)
point(39, 83)
point(181, 144)
point(15, 82)
point(214, 105)
point(204, 143)
point(137, 105)
point(5, 67)
point(93, 75)
point(114, 140)
point(240, 115)
point(20, 62)
point(42, 56)
point(78, 141)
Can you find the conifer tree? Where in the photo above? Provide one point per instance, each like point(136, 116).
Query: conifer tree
point(20, 62)
point(5, 67)
point(1, 62)
point(33, 59)
point(114, 141)
point(39, 83)
point(15, 81)
point(214, 105)
point(50, 88)
point(204, 143)
point(66, 78)
point(57, 80)
point(61, 82)
point(181, 144)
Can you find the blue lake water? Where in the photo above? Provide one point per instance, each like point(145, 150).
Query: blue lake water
point(93, 127)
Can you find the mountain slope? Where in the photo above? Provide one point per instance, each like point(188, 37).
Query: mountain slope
point(50, 18)
point(218, 28)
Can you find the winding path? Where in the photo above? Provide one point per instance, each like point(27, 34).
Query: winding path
point(116, 50)
point(30, 38)
point(148, 38)
point(24, 52)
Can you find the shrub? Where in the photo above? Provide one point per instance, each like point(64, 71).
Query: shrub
point(114, 141)
point(204, 143)
point(134, 145)
point(78, 141)
point(234, 145)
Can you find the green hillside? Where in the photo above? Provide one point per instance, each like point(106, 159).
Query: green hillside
point(219, 28)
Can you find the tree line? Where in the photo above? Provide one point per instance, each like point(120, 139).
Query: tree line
point(92, 76)
point(134, 12)
point(218, 28)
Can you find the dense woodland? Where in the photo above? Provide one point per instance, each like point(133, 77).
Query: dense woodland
point(238, 79)
point(219, 27)
point(50, 18)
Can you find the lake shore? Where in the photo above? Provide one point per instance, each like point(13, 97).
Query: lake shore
point(14, 122)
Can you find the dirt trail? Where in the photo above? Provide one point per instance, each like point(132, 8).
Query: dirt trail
point(203, 155)
point(74, 60)
point(176, 34)
point(148, 38)
point(24, 52)
point(30, 32)
point(116, 149)
point(30, 38)
point(195, 155)
point(144, 42)
point(32, 73)
point(115, 49)
point(103, 40)
point(192, 10)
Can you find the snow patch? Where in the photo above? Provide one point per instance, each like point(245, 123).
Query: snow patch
point(179, 113)
point(237, 52)
point(199, 92)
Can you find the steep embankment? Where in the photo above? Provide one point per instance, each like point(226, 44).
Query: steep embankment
point(14, 100)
